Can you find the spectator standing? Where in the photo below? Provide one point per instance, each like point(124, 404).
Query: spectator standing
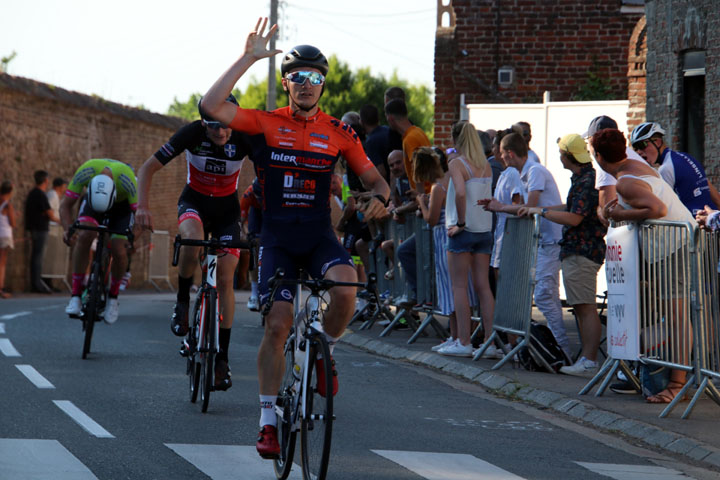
point(7, 223)
point(582, 248)
point(642, 195)
point(523, 128)
point(681, 171)
point(470, 238)
point(377, 142)
point(56, 193)
point(394, 138)
point(38, 214)
point(541, 191)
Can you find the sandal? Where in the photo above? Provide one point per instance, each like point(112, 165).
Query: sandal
point(667, 395)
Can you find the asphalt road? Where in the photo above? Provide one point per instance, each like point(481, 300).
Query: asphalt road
point(124, 412)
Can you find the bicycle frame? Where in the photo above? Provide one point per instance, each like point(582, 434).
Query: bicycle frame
point(210, 283)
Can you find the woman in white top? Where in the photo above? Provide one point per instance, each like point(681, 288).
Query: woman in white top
point(642, 195)
point(7, 223)
point(470, 239)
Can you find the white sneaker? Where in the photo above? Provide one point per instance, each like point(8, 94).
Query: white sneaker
point(125, 281)
point(457, 349)
point(253, 304)
point(582, 368)
point(443, 344)
point(491, 352)
point(112, 310)
point(74, 307)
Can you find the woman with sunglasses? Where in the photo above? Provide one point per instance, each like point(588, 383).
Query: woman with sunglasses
point(295, 162)
point(209, 203)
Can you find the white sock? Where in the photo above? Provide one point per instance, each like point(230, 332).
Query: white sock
point(267, 410)
point(331, 342)
point(254, 289)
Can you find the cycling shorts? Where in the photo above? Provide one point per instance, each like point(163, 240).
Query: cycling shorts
point(120, 216)
point(355, 229)
point(219, 216)
point(312, 247)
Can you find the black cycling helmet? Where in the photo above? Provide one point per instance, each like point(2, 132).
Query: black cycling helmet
point(206, 117)
point(304, 56)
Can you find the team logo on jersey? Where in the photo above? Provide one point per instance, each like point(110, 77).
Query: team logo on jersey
point(215, 166)
point(283, 157)
point(318, 145)
point(286, 130)
point(286, 144)
point(320, 136)
point(230, 150)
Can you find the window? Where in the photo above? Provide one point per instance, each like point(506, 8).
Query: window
point(693, 111)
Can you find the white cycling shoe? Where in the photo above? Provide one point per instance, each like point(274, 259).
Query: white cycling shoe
point(253, 304)
point(74, 307)
point(112, 310)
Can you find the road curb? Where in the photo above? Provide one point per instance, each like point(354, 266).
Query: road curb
point(497, 383)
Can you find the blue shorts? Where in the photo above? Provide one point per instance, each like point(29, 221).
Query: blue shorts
point(311, 247)
point(471, 242)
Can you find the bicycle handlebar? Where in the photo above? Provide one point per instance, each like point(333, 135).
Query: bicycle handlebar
point(211, 243)
point(101, 229)
point(318, 284)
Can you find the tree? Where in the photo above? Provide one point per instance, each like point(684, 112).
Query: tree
point(5, 61)
point(345, 91)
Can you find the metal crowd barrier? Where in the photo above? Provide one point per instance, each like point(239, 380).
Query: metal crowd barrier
point(159, 262)
point(57, 256)
point(516, 284)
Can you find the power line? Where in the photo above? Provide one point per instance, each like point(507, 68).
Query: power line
point(360, 15)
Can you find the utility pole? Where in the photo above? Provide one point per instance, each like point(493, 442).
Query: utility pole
point(271, 84)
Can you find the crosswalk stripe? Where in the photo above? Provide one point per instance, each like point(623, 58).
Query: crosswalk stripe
point(226, 461)
point(10, 316)
point(2, 328)
point(447, 466)
point(82, 419)
point(34, 376)
point(40, 459)
point(6, 347)
point(634, 472)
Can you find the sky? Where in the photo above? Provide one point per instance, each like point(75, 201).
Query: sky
point(150, 52)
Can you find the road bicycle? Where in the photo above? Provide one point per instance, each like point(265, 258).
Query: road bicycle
point(300, 408)
point(201, 344)
point(95, 293)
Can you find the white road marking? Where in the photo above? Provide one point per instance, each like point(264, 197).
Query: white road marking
point(447, 466)
point(82, 419)
point(10, 316)
point(6, 347)
point(2, 328)
point(38, 380)
point(634, 472)
point(40, 459)
point(226, 461)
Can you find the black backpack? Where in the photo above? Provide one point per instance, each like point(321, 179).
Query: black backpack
point(545, 345)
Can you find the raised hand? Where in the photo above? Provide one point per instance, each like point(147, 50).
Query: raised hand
point(256, 44)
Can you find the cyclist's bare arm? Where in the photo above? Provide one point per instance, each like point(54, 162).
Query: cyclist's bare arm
point(373, 181)
point(213, 103)
point(143, 217)
point(66, 216)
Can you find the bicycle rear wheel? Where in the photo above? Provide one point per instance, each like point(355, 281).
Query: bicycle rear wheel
point(207, 349)
point(284, 411)
point(316, 427)
point(90, 314)
point(193, 365)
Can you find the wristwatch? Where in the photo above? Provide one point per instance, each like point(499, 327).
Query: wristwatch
point(460, 224)
point(382, 199)
point(543, 212)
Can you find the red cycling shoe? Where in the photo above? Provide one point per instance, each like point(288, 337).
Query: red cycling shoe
point(320, 367)
point(267, 443)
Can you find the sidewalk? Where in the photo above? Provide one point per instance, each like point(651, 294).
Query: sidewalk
point(697, 437)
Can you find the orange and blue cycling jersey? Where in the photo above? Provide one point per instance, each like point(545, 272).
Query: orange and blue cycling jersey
point(125, 182)
point(295, 158)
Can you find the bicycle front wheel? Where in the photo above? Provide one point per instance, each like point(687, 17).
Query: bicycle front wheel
point(316, 426)
point(284, 411)
point(90, 315)
point(207, 349)
point(193, 365)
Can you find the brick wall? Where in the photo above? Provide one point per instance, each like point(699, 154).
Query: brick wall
point(44, 127)
point(551, 44)
point(674, 27)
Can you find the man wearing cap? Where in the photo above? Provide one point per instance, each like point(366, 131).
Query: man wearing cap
point(582, 248)
point(604, 182)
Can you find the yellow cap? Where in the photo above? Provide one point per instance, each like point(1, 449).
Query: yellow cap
point(575, 145)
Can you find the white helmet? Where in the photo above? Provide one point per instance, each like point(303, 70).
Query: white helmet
point(645, 131)
point(101, 193)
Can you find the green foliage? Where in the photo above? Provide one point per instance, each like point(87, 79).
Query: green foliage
point(596, 87)
point(345, 91)
point(5, 61)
